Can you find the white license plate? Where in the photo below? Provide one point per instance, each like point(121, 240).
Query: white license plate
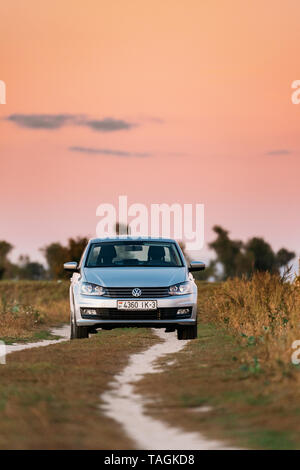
point(137, 305)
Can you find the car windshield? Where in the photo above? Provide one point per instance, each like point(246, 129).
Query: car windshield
point(133, 253)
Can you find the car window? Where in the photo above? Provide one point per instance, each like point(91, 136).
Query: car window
point(118, 254)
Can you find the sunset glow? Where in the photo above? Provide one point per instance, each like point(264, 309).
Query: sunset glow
point(163, 101)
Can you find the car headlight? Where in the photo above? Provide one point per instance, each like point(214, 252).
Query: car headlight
point(181, 288)
point(91, 289)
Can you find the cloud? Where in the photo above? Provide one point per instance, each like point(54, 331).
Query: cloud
point(279, 152)
point(40, 121)
point(113, 153)
point(153, 119)
point(107, 124)
point(56, 121)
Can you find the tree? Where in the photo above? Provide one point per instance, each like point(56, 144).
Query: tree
point(283, 257)
point(122, 228)
point(238, 258)
point(28, 269)
point(5, 249)
point(228, 251)
point(76, 247)
point(56, 255)
point(263, 257)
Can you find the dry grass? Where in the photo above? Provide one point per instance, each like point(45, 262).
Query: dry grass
point(263, 312)
point(245, 409)
point(27, 307)
point(50, 396)
point(240, 366)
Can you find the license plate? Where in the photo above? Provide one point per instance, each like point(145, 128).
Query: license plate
point(137, 305)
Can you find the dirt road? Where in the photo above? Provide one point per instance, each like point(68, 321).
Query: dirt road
point(125, 406)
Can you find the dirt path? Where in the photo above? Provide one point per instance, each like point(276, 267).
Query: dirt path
point(63, 331)
point(125, 406)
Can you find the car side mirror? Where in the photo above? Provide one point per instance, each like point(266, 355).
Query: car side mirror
point(71, 266)
point(196, 266)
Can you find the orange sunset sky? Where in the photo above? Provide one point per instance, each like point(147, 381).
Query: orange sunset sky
point(161, 100)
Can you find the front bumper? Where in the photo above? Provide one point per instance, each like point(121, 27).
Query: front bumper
point(171, 303)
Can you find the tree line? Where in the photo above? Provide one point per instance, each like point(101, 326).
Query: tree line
point(233, 258)
point(55, 255)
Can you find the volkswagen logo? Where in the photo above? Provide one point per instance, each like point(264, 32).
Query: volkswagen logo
point(136, 292)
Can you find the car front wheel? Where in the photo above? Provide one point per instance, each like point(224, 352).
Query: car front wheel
point(187, 332)
point(78, 332)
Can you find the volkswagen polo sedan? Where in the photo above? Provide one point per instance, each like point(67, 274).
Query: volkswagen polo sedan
point(133, 282)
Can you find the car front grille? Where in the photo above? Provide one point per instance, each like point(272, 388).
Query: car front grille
point(126, 292)
point(115, 314)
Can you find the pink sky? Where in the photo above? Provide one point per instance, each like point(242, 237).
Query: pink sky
point(207, 85)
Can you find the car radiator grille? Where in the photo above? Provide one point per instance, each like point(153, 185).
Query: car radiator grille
point(115, 314)
point(147, 292)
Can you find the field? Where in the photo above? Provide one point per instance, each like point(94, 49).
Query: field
point(262, 312)
point(29, 308)
point(235, 383)
point(49, 397)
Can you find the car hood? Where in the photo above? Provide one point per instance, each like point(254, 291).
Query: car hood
point(135, 277)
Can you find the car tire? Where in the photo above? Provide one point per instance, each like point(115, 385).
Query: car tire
point(71, 326)
point(78, 332)
point(187, 332)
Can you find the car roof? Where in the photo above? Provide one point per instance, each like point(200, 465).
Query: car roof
point(129, 238)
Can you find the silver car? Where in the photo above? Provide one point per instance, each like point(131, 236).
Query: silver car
point(133, 282)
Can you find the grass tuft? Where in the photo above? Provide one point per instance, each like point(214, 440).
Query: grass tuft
point(262, 312)
point(27, 308)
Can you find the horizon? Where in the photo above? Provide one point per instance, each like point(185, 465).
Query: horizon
point(205, 255)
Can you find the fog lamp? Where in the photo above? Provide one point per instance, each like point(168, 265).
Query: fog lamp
point(89, 311)
point(183, 311)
